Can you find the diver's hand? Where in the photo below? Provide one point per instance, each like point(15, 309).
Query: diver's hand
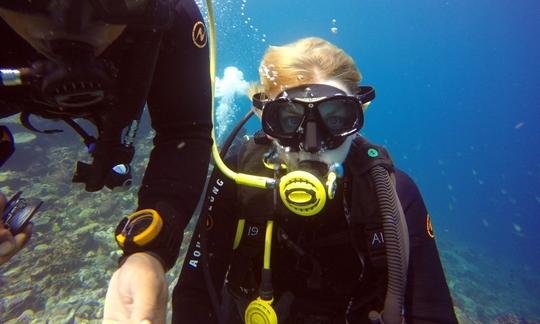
point(137, 292)
point(9, 244)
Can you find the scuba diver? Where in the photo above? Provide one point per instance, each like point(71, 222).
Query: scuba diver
point(102, 61)
point(344, 236)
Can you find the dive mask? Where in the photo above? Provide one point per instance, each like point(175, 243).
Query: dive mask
point(313, 117)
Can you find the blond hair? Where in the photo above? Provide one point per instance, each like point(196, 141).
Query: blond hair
point(307, 60)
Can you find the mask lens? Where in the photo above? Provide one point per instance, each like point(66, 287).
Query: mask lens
point(281, 118)
point(340, 115)
point(290, 117)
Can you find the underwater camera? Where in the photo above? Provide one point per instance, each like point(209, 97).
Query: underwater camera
point(19, 211)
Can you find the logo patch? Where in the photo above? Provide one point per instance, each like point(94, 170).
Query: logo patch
point(429, 227)
point(198, 34)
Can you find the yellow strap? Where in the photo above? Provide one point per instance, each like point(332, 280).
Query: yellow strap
point(239, 231)
point(268, 244)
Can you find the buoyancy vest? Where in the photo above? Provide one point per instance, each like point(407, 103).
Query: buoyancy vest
point(256, 206)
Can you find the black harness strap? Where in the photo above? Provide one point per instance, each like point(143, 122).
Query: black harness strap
point(242, 280)
point(88, 139)
point(25, 121)
point(364, 209)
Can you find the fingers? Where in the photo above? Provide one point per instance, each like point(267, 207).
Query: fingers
point(3, 201)
point(7, 248)
point(20, 240)
point(7, 243)
point(28, 231)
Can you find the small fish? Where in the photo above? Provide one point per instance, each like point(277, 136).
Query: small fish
point(485, 222)
point(519, 125)
point(518, 231)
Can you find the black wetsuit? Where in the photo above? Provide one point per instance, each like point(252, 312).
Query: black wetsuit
point(179, 102)
point(427, 297)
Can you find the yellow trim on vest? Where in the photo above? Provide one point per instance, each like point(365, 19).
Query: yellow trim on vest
point(268, 244)
point(239, 231)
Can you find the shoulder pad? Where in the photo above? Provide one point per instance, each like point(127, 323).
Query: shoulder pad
point(364, 155)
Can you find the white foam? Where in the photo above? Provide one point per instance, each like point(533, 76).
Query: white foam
point(228, 87)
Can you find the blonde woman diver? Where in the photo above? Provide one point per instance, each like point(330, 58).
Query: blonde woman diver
point(317, 249)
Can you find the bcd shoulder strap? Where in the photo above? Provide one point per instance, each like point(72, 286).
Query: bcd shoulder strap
point(252, 199)
point(365, 212)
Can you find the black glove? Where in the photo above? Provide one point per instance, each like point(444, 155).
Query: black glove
point(110, 167)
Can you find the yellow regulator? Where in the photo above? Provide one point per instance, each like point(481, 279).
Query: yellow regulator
point(302, 193)
point(260, 311)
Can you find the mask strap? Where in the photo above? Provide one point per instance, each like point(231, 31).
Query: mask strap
point(365, 94)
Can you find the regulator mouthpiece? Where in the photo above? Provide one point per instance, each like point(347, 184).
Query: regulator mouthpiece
point(304, 193)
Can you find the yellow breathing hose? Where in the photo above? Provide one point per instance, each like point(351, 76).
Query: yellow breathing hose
point(268, 244)
point(239, 178)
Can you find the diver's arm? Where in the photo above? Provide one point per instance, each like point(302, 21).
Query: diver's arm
point(427, 298)
point(180, 106)
point(191, 299)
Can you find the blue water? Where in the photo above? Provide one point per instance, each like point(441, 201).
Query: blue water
point(458, 94)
